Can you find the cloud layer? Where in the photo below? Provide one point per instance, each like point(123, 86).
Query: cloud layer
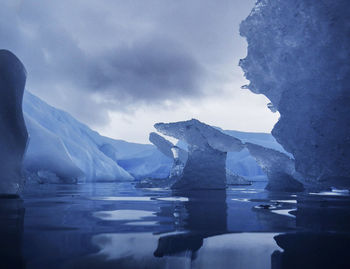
point(105, 60)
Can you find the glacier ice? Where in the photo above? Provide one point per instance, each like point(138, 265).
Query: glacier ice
point(13, 130)
point(234, 179)
point(207, 150)
point(179, 155)
point(163, 145)
point(298, 57)
point(63, 149)
point(279, 168)
point(47, 158)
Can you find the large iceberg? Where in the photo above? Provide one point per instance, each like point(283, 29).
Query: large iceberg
point(13, 138)
point(298, 56)
point(62, 149)
point(207, 151)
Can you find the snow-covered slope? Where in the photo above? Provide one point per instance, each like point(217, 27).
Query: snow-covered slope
point(63, 149)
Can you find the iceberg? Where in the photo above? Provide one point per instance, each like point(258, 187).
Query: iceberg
point(178, 155)
point(47, 159)
point(298, 57)
point(279, 168)
point(234, 179)
point(62, 149)
point(207, 150)
point(13, 137)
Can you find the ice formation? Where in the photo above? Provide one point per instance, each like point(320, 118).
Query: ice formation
point(234, 179)
point(179, 155)
point(61, 149)
point(13, 130)
point(279, 168)
point(298, 56)
point(241, 162)
point(46, 158)
point(207, 151)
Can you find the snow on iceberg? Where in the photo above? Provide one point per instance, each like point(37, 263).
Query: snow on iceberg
point(13, 137)
point(298, 57)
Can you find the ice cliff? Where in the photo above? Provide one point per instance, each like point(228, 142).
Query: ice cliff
point(298, 57)
point(207, 151)
point(13, 137)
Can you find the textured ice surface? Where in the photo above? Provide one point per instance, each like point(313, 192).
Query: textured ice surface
point(163, 145)
point(63, 149)
point(207, 150)
point(279, 168)
point(13, 137)
point(47, 158)
point(178, 155)
point(242, 163)
point(298, 56)
point(234, 179)
point(200, 135)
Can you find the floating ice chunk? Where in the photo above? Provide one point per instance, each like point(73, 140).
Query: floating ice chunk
point(207, 150)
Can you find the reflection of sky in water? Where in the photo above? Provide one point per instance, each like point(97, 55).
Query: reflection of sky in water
point(332, 193)
point(284, 212)
point(181, 199)
point(239, 251)
point(123, 198)
point(123, 214)
point(109, 225)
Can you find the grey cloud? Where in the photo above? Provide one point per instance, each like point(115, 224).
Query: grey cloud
point(90, 57)
point(151, 70)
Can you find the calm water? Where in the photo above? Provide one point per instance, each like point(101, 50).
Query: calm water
point(109, 225)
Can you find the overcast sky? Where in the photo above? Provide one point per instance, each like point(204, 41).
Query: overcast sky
point(121, 66)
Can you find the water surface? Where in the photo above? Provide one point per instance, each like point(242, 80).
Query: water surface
point(114, 225)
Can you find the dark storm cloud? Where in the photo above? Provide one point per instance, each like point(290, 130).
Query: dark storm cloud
point(94, 56)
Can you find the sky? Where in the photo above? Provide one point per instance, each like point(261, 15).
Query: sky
point(121, 66)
